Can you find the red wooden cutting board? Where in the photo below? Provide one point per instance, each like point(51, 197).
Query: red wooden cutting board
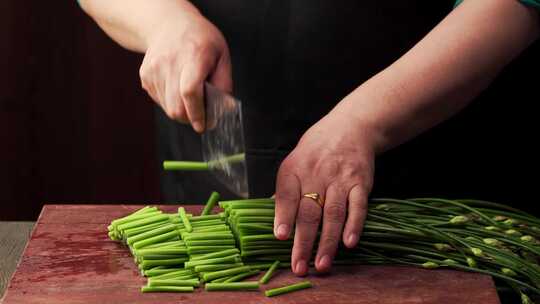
point(69, 259)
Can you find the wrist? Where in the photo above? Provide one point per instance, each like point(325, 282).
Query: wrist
point(364, 109)
point(172, 23)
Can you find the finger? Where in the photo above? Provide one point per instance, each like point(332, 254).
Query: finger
point(175, 107)
point(307, 225)
point(194, 73)
point(221, 78)
point(357, 211)
point(287, 199)
point(334, 213)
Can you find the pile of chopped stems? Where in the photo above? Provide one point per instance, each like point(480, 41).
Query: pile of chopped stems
point(182, 250)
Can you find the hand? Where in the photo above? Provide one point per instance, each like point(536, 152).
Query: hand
point(181, 56)
point(334, 158)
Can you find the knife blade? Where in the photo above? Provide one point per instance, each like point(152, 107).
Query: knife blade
point(223, 146)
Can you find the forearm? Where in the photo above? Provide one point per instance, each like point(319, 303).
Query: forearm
point(444, 71)
point(133, 23)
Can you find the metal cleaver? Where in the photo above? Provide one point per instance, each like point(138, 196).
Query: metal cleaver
point(223, 140)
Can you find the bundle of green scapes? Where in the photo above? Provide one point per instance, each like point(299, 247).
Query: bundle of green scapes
point(468, 235)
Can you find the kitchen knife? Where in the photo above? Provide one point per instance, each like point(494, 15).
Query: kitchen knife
point(223, 140)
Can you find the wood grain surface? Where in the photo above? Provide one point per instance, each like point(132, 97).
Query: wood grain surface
point(13, 238)
point(69, 259)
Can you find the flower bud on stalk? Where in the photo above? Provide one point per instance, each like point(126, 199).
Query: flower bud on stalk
point(477, 252)
point(471, 262)
point(430, 265)
point(492, 228)
point(459, 219)
point(492, 242)
point(500, 218)
point(511, 222)
point(525, 299)
point(443, 247)
point(450, 262)
point(513, 232)
point(528, 239)
point(509, 272)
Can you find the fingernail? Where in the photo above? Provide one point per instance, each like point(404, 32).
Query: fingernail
point(283, 231)
point(325, 263)
point(198, 126)
point(352, 239)
point(300, 268)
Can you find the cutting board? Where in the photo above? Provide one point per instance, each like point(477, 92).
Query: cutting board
point(69, 259)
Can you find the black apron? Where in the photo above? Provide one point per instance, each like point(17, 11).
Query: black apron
point(294, 60)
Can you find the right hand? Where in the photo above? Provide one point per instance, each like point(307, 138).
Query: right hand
point(181, 55)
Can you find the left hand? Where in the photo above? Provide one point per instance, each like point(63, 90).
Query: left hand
point(334, 158)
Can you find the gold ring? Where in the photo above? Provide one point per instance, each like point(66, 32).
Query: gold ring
point(316, 197)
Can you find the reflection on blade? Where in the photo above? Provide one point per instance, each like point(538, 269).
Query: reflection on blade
point(223, 142)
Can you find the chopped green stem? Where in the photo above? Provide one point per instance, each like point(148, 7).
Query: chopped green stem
point(216, 267)
point(167, 289)
point(229, 159)
point(176, 243)
point(214, 198)
point(208, 236)
point(185, 165)
point(225, 273)
point(144, 221)
point(210, 242)
point(185, 220)
point(241, 276)
point(231, 286)
point(269, 273)
point(169, 262)
point(218, 254)
point(208, 249)
point(162, 251)
point(224, 260)
point(150, 233)
point(225, 204)
point(220, 280)
point(207, 217)
point(288, 289)
point(172, 282)
point(155, 239)
point(156, 272)
point(134, 217)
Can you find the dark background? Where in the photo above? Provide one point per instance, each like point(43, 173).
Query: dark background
point(75, 126)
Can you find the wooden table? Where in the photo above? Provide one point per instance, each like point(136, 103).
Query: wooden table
point(69, 259)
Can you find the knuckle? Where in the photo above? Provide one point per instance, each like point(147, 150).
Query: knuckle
point(335, 212)
point(173, 114)
point(200, 47)
point(187, 93)
point(329, 242)
point(286, 194)
point(304, 244)
point(177, 113)
point(308, 216)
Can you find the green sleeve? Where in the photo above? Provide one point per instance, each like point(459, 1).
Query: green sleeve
point(532, 3)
